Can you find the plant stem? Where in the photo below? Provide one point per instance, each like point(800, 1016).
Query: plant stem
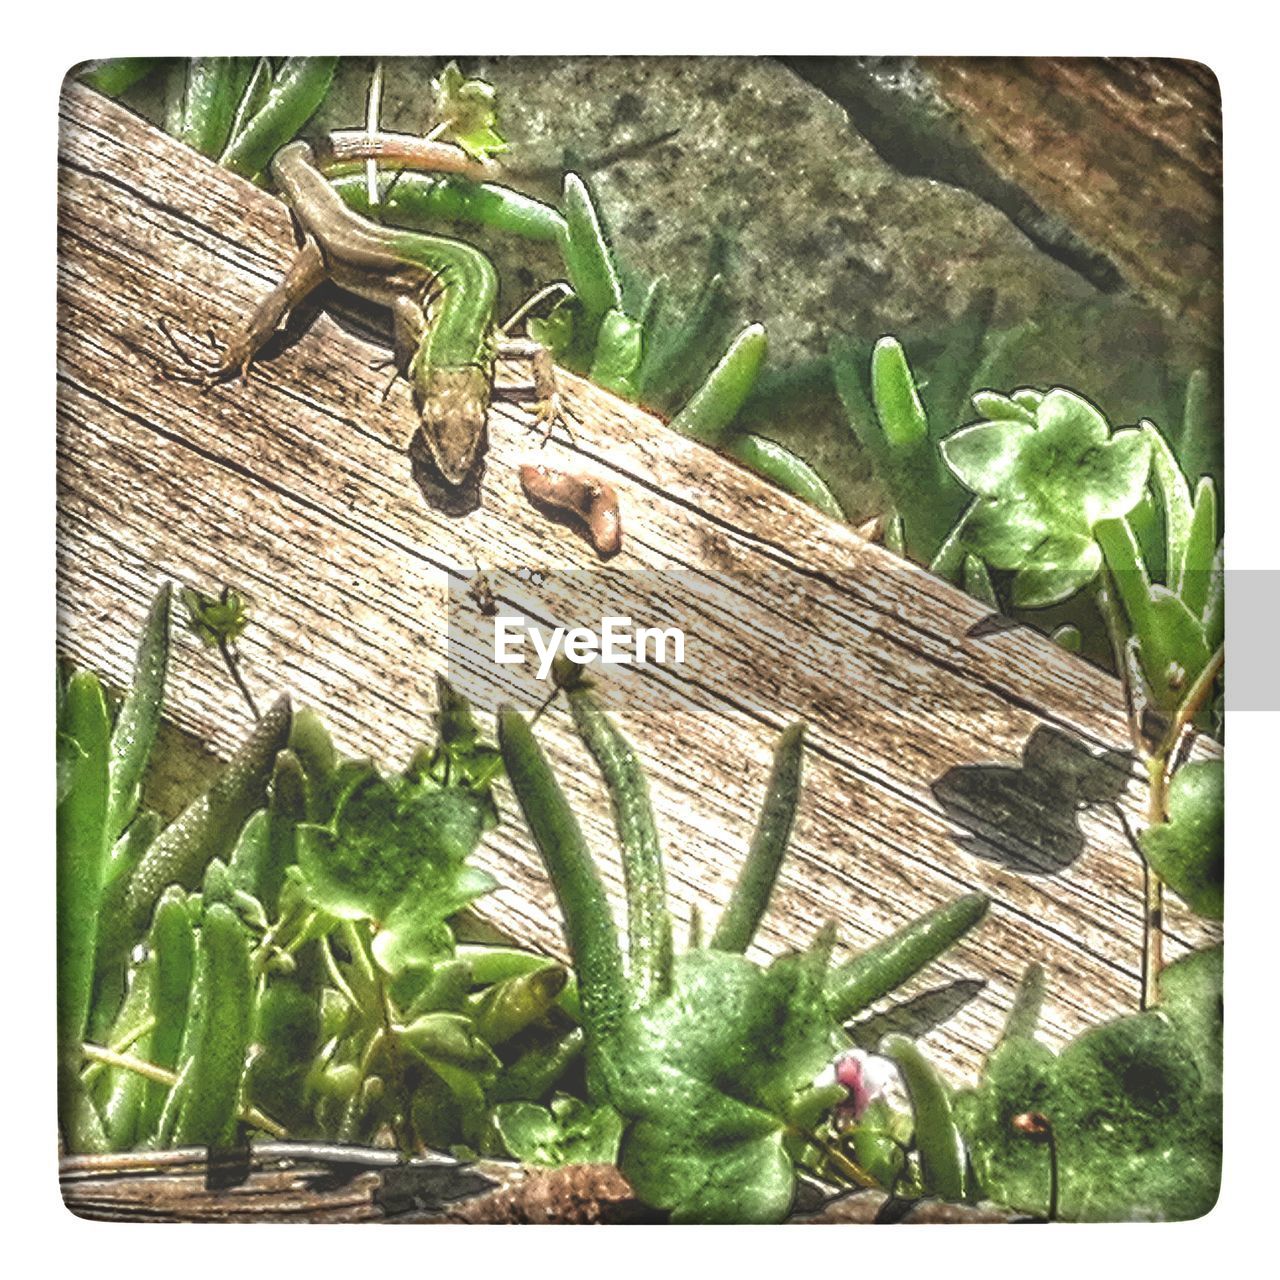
point(232, 664)
point(149, 1071)
point(1158, 789)
point(1053, 1176)
point(94, 1069)
point(389, 1019)
point(335, 974)
point(1191, 705)
point(850, 1168)
point(1153, 890)
point(1156, 765)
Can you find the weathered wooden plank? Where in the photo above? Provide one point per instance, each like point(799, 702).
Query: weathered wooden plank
point(297, 489)
point(280, 1182)
point(309, 1182)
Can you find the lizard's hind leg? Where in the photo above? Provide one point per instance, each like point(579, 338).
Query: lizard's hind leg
point(304, 274)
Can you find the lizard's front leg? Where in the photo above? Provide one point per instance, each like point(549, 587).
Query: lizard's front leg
point(548, 406)
point(304, 274)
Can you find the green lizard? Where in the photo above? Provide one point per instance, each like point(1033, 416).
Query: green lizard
point(441, 294)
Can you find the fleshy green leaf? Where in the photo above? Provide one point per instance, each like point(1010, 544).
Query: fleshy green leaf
point(994, 406)
point(1186, 851)
point(1194, 581)
point(984, 456)
point(1070, 422)
point(568, 1132)
point(139, 716)
point(943, 1157)
point(395, 854)
point(1175, 499)
point(1136, 1124)
point(1138, 1134)
point(468, 108)
point(708, 1076)
point(450, 1039)
point(1173, 647)
point(1172, 644)
point(1005, 534)
point(897, 401)
point(619, 351)
point(1073, 475)
point(1010, 1170)
point(82, 849)
point(1046, 470)
point(1191, 994)
point(1063, 564)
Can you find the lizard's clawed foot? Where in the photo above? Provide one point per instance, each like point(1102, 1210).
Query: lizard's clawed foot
point(205, 371)
point(548, 413)
point(548, 406)
point(377, 366)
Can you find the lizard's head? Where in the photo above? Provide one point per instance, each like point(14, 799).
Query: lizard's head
point(454, 404)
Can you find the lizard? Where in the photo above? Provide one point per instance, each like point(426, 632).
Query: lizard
point(441, 293)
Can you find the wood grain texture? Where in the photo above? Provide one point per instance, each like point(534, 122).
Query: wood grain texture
point(281, 1182)
point(1128, 151)
point(306, 1182)
point(296, 488)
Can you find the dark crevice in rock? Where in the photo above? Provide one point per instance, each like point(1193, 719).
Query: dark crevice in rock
point(893, 104)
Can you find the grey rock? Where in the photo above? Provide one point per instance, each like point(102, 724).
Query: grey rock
point(861, 216)
point(894, 105)
point(688, 157)
point(823, 233)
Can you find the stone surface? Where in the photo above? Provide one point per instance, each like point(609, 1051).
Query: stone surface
point(817, 233)
point(896, 105)
point(872, 211)
point(823, 234)
point(1128, 150)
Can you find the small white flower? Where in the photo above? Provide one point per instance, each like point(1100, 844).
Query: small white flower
point(866, 1076)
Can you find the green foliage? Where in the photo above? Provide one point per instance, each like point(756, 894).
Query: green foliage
point(566, 1131)
point(713, 407)
point(1191, 996)
point(1046, 494)
point(277, 102)
point(395, 854)
point(715, 1074)
point(114, 76)
point(1186, 851)
point(787, 470)
point(619, 352)
point(899, 420)
point(239, 111)
point(1134, 1105)
point(858, 983)
point(138, 718)
point(219, 619)
point(83, 764)
point(467, 107)
point(709, 1078)
point(937, 1139)
point(305, 979)
point(1044, 479)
